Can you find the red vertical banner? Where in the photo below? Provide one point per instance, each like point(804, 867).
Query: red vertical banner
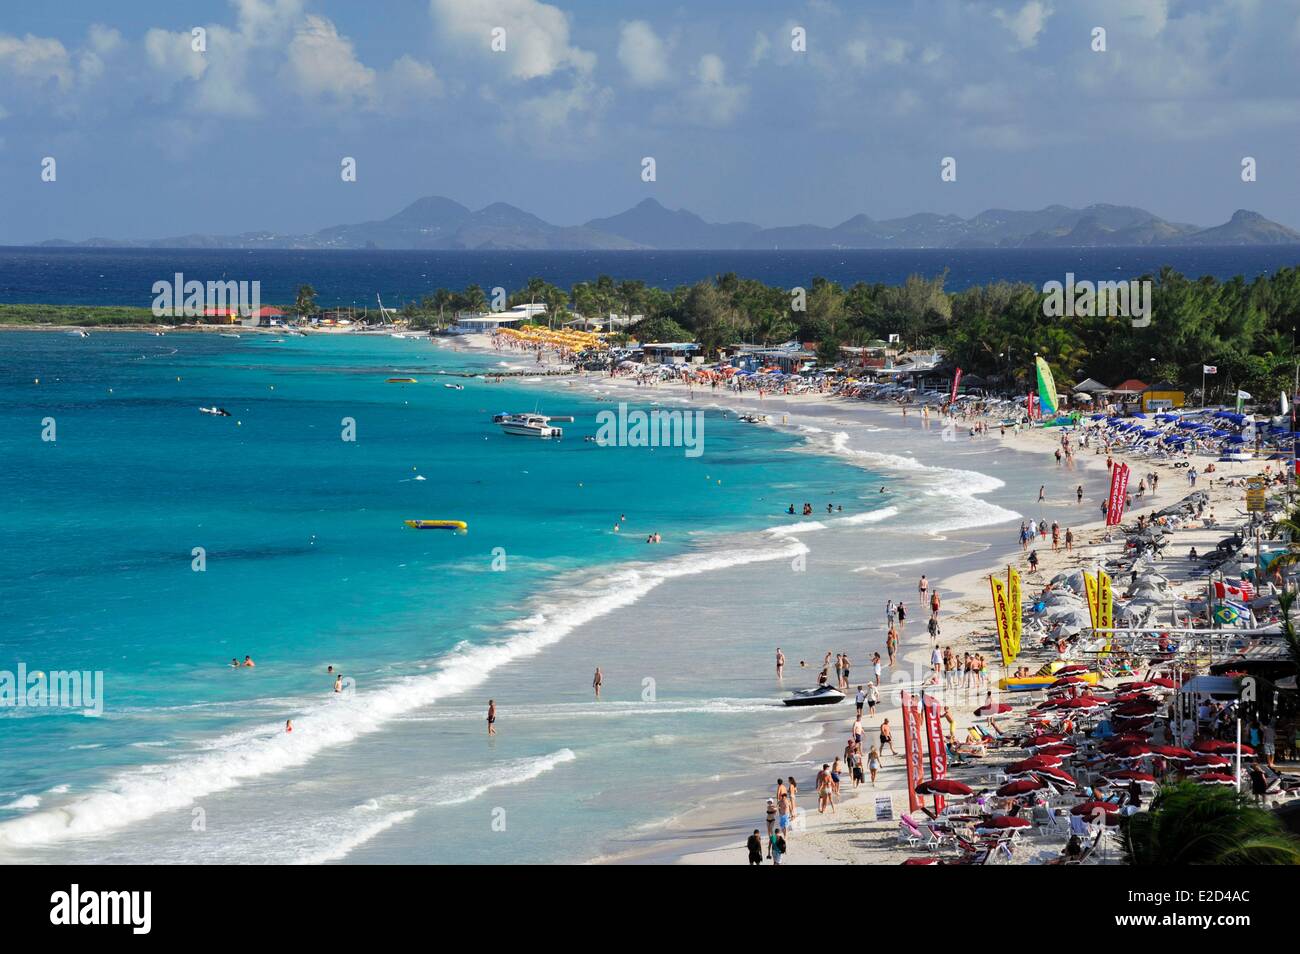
point(1118, 491)
point(912, 749)
point(956, 379)
point(934, 738)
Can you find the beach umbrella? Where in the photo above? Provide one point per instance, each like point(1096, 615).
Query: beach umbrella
point(1130, 775)
point(1003, 822)
point(1111, 746)
point(1060, 750)
point(1133, 723)
point(1137, 708)
point(928, 860)
point(1216, 778)
point(1046, 738)
point(1172, 752)
point(1033, 764)
point(1072, 669)
point(1200, 762)
point(1056, 775)
point(1134, 686)
point(1133, 752)
point(944, 786)
point(1066, 681)
point(992, 708)
point(1091, 808)
point(1220, 747)
point(1083, 702)
point(1021, 786)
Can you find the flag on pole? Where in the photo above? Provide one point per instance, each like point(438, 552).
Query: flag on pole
point(934, 742)
point(1209, 369)
point(1242, 398)
point(956, 379)
point(1014, 617)
point(911, 748)
point(1090, 591)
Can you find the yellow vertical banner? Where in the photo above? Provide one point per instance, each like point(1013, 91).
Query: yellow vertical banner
point(1105, 607)
point(1090, 592)
point(1000, 617)
point(1013, 608)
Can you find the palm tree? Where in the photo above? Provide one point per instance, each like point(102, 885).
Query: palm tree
point(305, 303)
point(1194, 824)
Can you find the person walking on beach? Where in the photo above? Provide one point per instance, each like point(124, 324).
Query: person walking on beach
point(492, 717)
point(1078, 494)
point(1033, 561)
point(891, 645)
point(793, 788)
point(777, 848)
point(755, 847)
point(875, 666)
point(844, 673)
point(771, 824)
point(922, 585)
point(780, 663)
point(873, 698)
point(902, 615)
point(873, 764)
point(1069, 540)
point(859, 700)
point(886, 738)
point(596, 681)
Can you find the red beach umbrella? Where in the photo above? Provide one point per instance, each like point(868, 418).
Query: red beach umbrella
point(929, 860)
point(992, 708)
point(1132, 723)
point(1065, 682)
point(1056, 775)
point(1033, 764)
point(1216, 778)
point(1071, 669)
point(943, 786)
point(1163, 683)
point(1134, 686)
point(1137, 709)
point(1172, 752)
point(1208, 761)
point(1220, 747)
point(1133, 752)
point(1091, 808)
point(1083, 702)
point(1060, 750)
point(1005, 821)
point(1022, 786)
point(1130, 775)
point(1044, 738)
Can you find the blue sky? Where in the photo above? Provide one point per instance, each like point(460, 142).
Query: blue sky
point(153, 139)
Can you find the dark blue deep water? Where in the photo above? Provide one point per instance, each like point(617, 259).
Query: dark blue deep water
point(100, 276)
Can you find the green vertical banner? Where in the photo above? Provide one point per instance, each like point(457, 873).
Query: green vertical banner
point(1046, 390)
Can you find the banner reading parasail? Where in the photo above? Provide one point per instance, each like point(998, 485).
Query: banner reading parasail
point(934, 739)
point(956, 379)
point(911, 749)
point(1015, 616)
point(1001, 618)
point(1046, 389)
point(1117, 497)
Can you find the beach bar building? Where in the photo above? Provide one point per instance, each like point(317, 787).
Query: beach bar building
point(670, 352)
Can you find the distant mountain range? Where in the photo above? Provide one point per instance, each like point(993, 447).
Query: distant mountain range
point(439, 223)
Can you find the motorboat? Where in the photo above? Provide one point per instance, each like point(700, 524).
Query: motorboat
point(400, 381)
point(527, 425)
point(819, 696)
point(218, 411)
point(754, 418)
point(455, 387)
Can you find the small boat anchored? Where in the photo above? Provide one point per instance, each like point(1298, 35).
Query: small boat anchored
point(218, 411)
point(455, 387)
point(527, 425)
point(819, 696)
point(400, 381)
point(460, 526)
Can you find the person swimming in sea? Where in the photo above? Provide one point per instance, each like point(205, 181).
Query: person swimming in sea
point(248, 662)
point(338, 683)
point(790, 511)
point(234, 662)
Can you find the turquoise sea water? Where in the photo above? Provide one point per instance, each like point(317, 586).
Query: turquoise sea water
point(307, 564)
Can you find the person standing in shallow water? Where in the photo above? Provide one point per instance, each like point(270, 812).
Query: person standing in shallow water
point(596, 681)
point(492, 717)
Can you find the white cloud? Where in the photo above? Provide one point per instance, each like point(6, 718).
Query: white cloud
point(643, 54)
point(37, 60)
point(172, 53)
point(322, 63)
point(1026, 23)
point(712, 100)
point(537, 34)
point(758, 52)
